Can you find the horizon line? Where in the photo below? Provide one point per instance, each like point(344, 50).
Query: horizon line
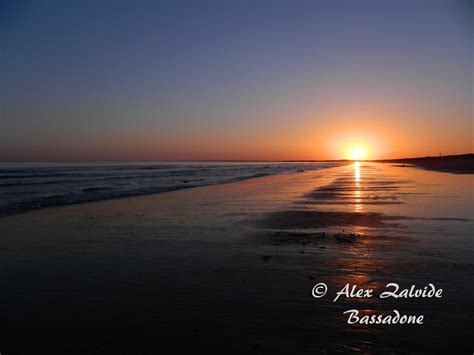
point(236, 160)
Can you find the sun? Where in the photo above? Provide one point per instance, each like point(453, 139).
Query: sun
point(357, 153)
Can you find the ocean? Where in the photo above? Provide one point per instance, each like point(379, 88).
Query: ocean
point(27, 186)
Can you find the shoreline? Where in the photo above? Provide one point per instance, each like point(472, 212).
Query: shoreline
point(23, 207)
point(456, 164)
point(117, 201)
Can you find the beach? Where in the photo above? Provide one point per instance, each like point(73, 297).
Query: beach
point(232, 266)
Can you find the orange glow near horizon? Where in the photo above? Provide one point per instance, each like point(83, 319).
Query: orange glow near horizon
point(340, 140)
point(357, 152)
point(360, 143)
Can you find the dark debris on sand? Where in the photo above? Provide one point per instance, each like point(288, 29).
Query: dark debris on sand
point(347, 237)
point(312, 238)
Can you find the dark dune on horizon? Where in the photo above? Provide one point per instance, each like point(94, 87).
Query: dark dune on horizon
point(460, 164)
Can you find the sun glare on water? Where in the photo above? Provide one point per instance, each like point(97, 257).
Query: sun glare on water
point(357, 153)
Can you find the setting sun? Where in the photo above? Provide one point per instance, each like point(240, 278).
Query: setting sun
point(357, 153)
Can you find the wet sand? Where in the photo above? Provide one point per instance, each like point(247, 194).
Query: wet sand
point(231, 267)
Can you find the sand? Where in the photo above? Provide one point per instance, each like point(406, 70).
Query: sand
point(232, 267)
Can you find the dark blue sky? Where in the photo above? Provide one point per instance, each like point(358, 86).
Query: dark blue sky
point(120, 80)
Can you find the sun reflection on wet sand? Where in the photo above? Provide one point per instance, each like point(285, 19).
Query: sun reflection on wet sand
point(357, 192)
point(357, 172)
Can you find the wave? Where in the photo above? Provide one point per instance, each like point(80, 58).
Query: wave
point(87, 184)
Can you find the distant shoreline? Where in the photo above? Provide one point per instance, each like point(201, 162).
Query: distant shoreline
point(452, 156)
point(458, 164)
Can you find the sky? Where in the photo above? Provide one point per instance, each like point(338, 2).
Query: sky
point(234, 80)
